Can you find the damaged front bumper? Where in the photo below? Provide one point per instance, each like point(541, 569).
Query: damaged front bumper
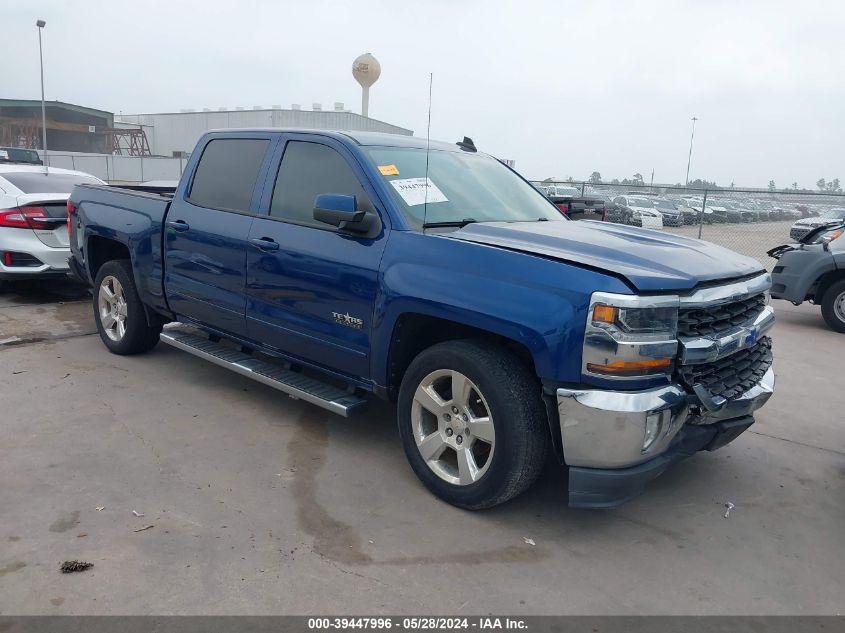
point(615, 442)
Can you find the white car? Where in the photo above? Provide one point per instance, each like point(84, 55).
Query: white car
point(639, 211)
point(33, 220)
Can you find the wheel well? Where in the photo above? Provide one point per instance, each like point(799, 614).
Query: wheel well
point(415, 332)
point(102, 250)
point(825, 282)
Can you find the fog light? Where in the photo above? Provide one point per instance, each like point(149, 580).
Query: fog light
point(656, 426)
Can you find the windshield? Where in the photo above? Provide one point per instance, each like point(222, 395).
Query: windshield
point(51, 182)
point(461, 186)
point(17, 155)
point(665, 204)
point(641, 202)
point(833, 214)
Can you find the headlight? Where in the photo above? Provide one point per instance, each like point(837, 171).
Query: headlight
point(630, 337)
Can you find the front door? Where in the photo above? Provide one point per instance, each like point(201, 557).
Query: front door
point(206, 233)
point(310, 287)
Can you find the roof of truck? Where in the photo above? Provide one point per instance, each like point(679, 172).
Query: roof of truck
point(383, 139)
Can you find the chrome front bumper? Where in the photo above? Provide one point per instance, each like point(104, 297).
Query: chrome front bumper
point(607, 429)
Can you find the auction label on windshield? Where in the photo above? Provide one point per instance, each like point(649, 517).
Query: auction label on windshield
point(413, 191)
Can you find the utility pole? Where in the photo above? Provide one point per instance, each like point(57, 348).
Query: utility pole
point(41, 24)
point(689, 158)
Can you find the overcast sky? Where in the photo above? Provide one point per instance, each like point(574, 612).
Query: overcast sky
point(564, 88)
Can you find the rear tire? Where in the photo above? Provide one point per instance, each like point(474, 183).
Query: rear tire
point(119, 313)
point(833, 306)
point(468, 462)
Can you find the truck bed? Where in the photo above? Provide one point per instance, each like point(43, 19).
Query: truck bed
point(134, 218)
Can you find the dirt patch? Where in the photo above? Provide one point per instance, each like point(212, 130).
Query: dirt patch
point(57, 602)
point(14, 539)
point(339, 542)
point(65, 522)
point(333, 539)
point(12, 567)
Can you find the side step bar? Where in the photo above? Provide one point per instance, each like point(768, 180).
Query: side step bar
point(290, 382)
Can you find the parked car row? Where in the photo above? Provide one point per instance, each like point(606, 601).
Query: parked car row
point(634, 207)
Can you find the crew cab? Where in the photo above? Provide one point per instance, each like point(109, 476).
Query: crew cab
point(336, 267)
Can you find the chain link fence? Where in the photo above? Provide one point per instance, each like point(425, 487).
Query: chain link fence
point(748, 221)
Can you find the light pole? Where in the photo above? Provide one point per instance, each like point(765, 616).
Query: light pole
point(689, 158)
point(41, 24)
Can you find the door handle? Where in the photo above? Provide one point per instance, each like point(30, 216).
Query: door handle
point(178, 225)
point(265, 243)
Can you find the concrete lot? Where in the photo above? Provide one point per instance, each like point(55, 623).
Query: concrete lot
point(261, 504)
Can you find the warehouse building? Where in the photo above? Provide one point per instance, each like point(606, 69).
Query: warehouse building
point(70, 127)
point(176, 133)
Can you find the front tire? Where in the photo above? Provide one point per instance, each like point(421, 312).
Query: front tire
point(833, 306)
point(119, 313)
point(472, 423)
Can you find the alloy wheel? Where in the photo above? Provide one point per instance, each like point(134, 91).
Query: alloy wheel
point(111, 303)
point(453, 427)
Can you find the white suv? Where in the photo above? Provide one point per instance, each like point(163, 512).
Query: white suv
point(33, 220)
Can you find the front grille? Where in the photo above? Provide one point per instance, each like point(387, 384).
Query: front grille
point(797, 234)
point(715, 319)
point(733, 375)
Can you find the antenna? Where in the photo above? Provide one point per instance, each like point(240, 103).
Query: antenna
point(427, 146)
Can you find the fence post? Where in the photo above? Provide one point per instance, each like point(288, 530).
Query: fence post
point(583, 184)
point(701, 215)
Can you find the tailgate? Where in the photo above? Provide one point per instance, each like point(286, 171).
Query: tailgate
point(586, 209)
point(54, 205)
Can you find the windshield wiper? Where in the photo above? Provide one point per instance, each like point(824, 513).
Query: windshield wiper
point(453, 223)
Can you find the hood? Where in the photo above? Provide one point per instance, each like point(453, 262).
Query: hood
point(650, 261)
point(644, 210)
point(816, 221)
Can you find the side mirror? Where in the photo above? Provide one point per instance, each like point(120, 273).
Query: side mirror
point(342, 211)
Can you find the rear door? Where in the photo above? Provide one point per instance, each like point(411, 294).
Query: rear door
point(206, 232)
point(310, 287)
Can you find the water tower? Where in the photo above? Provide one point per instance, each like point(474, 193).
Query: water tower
point(366, 71)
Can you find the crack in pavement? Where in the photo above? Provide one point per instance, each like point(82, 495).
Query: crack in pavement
point(785, 439)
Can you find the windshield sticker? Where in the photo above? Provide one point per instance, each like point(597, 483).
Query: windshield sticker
point(413, 191)
point(388, 170)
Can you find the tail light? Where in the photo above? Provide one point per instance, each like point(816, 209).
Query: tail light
point(563, 207)
point(71, 211)
point(35, 218)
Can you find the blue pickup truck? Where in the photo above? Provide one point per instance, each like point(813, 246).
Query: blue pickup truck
point(340, 266)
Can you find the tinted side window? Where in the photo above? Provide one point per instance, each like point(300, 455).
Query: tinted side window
point(307, 170)
point(227, 172)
